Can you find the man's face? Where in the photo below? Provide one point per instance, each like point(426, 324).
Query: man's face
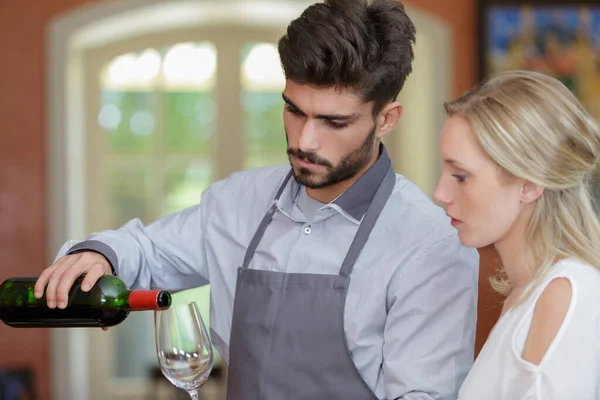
point(330, 134)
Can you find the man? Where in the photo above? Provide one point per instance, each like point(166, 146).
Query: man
point(335, 279)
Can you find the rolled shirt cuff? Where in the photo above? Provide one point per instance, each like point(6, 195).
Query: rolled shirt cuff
point(100, 248)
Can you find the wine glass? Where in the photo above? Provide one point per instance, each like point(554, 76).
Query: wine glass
point(183, 347)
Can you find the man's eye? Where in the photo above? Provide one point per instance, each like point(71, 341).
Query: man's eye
point(336, 125)
point(292, 110)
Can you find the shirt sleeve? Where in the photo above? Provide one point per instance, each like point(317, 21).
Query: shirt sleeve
point(430, 329)
point(167, 254)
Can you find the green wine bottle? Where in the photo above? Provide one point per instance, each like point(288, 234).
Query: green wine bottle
point(106, 304)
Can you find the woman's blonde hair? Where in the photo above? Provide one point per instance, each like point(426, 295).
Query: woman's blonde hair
point(533, 127)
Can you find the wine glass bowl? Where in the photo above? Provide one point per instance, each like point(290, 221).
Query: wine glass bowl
point(183, 347)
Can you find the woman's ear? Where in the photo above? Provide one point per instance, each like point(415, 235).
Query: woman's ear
point(530, 192)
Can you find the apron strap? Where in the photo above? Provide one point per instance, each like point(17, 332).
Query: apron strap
point(264, 223)
point(368, 222)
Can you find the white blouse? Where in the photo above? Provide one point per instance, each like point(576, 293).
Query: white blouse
point(570, 369)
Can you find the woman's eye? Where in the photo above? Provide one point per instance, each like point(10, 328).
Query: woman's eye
point(460, 177)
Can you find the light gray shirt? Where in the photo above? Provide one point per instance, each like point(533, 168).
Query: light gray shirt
point(410, 311)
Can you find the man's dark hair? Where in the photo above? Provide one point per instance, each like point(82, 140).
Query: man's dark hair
point(366, 48)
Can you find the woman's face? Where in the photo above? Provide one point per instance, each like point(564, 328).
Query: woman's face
point(482, 199)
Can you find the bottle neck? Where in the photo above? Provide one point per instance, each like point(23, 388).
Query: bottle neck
point(140, 300)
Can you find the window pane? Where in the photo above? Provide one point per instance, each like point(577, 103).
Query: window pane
point(135, 345)
point(184, 186)
point(262, 105)
point(128, 188)
point(258, 160)
point(129, 118)
point(129, 194)
point(261, 68)
point(160, 105)
point(263, 121)
point(190, 121)
point(189, 66)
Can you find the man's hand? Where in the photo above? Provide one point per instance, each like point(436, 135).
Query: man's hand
point(58, 278)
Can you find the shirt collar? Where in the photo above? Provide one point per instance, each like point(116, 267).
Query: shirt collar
point(353, 201)
point(358, 197)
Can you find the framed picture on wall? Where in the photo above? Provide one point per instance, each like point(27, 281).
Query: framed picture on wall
point(557, 37)
point(560, 38)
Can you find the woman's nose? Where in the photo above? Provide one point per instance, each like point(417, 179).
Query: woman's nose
point(441, 195)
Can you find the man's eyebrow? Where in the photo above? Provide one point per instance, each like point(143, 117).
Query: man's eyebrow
point(291, 104)
point(336, 117)
point(331, 117)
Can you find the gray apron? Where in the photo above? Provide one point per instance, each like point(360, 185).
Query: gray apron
point(287, 335)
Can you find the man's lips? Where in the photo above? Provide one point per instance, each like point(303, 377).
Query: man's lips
point(304, 163)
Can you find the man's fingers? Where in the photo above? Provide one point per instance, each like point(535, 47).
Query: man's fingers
point(92, 276)
point(58, 279)
point(52, 294)
point(82, 266)
point(40, 284)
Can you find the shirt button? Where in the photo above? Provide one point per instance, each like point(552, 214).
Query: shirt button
point(307, 230)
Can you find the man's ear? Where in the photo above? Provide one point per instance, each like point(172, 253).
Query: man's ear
point(388, 118)
point(530, 192)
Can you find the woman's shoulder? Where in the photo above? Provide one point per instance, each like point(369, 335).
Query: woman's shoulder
point(561, 300)
point(577, 272)
point(569, 282)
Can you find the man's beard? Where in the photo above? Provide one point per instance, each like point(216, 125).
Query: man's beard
point(350, 165)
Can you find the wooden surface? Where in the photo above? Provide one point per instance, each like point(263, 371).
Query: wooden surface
point(489, 303)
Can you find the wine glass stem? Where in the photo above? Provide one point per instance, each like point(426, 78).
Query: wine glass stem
point(193, 394)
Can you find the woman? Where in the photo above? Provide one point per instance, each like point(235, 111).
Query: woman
point(518, 155)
